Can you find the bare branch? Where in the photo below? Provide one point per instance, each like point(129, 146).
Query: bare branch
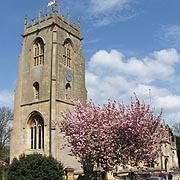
point(6, 117)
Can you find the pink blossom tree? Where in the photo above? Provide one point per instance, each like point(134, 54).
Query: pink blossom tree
point(113, 133)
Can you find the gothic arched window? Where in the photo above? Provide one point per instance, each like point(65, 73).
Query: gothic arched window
point(67, 56)
point(36, 90)
point(38, 52)
point(36, 132)
point(68, 91)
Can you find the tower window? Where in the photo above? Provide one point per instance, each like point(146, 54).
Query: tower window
point(36, 132)
point(67, 56)
point(36, 90)
point(68, 91)
point(38, 52)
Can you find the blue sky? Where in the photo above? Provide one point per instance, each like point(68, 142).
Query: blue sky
point(130, 46)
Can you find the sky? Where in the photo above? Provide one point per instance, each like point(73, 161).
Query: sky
point(130, 46)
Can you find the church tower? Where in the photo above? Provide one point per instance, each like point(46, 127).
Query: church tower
point(51, 73)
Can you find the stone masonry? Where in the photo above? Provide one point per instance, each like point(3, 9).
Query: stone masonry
point(51, 73)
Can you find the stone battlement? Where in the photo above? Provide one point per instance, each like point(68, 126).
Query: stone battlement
point(52, 17)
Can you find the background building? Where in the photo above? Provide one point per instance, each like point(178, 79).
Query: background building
point(168, 159)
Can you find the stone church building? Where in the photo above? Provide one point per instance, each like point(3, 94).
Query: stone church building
point(51, 72)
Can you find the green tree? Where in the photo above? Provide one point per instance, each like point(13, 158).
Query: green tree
point(35, 167)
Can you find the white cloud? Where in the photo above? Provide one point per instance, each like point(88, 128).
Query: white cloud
point(167, 56)
point(149, 69)
point(172, 117)
point(104, 62)
point(170, 34)
point(169, 102)
point(91, 78)
point(104, 12)
point(110, 75)
point(159, 66)
point(102, 6)
point(147, 92)
point(7, 98)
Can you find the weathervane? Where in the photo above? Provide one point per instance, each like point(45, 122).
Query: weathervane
point(53, 4)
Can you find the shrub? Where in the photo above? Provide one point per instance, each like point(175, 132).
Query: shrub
point(35, 167)
point(3, 169)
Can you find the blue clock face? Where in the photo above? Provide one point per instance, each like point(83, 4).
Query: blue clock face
point(68, 75)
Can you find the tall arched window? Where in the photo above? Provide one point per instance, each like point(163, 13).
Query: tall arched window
point(68, 91)
point(38, 52)
point(36, 132)
point(36, 90)
point(67, 56)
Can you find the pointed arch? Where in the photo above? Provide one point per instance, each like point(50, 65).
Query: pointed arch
point(35, 131)
point(68, 40)
point(36, 90)
point(68, 50)
point(38, 51)
point(68, 91)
